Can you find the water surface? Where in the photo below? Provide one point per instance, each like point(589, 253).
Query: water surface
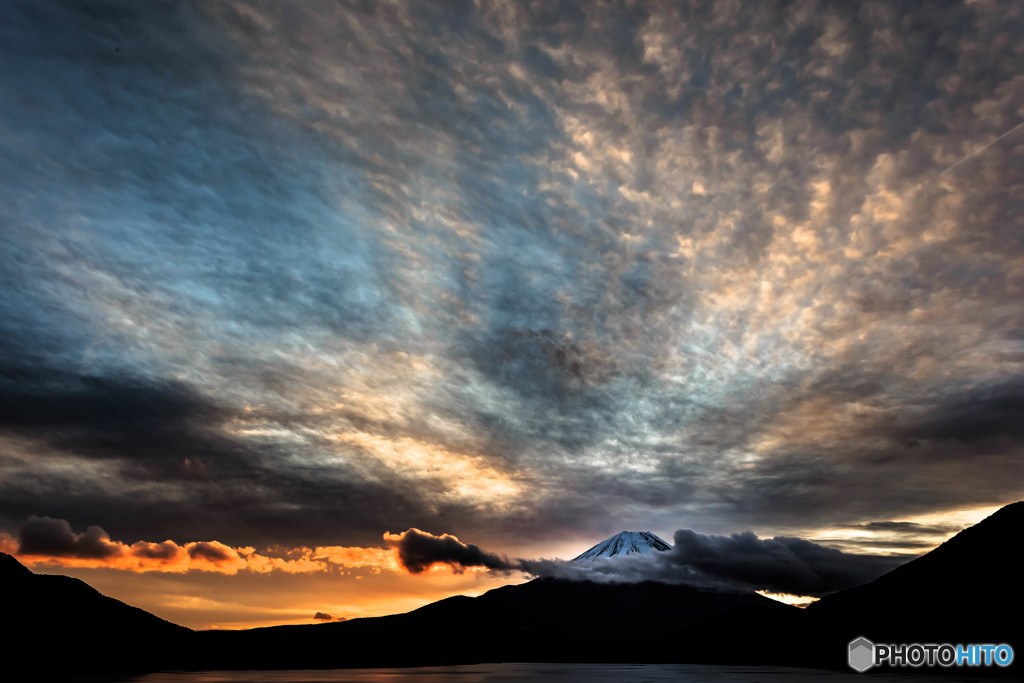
point(545, 673)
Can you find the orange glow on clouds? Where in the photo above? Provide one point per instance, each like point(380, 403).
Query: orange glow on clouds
point(168, 556)
point(353, 557)
point(214, 556)
point(467, 477)
point(209, 584)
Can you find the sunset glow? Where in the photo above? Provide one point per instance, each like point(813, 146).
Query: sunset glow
point(348, 307)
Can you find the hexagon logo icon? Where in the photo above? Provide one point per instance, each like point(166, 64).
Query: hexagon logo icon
point(862, 654)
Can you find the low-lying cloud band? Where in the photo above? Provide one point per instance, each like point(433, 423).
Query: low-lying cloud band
point(741, 561)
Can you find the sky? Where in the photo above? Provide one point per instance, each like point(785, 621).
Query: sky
point(280, 283)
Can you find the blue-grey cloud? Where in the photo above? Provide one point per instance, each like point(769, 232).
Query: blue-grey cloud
point(740, 561)
point(507, 270)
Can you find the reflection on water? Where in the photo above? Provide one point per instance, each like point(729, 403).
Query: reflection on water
point(511, 672)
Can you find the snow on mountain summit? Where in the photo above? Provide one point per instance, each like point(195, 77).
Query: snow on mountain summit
point(625, 543)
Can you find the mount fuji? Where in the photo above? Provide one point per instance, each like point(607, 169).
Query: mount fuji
point(965, 591)
point(625, 543)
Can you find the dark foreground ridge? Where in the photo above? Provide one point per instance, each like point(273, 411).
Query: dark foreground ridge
point(966, 591)
point(57, 625)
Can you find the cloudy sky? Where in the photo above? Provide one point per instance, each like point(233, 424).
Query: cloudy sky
point(278, 280)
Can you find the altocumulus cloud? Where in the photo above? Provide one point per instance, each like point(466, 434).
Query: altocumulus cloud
point(510, 270)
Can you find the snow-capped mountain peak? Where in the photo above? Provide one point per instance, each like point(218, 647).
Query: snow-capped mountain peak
point(625, 543)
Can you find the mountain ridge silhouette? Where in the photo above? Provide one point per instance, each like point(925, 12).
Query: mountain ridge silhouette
point(966, 590)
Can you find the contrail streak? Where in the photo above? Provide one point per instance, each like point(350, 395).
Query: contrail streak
point(979, 151)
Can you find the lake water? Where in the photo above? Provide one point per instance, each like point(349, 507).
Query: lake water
point(546, 673)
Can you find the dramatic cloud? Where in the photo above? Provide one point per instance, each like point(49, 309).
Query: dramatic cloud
point(288, 276)
point(738, 562)
point(52, 541)
point(419, 551)
point(782, 565)
point(44, 540)
point(45, 536)
point(741, 561)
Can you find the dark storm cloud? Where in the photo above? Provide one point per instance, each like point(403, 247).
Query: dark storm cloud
point(781, 564)
point(114, 415)
point(740, 561)
point(147, 431)
point(985, 414)
point(504, 269)
point(934, 448)
point(46, 536)
point(419, 550)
